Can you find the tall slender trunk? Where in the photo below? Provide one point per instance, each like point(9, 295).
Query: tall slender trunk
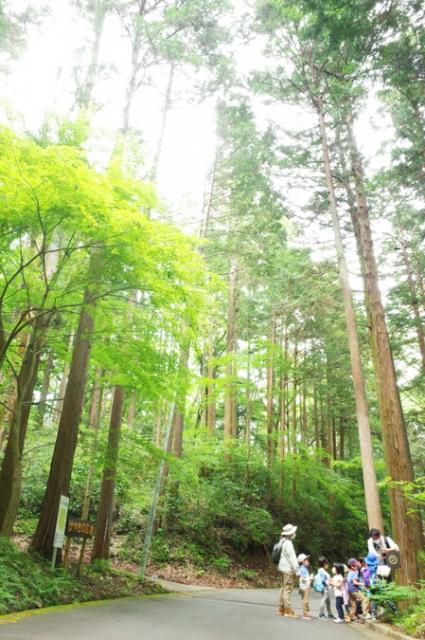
point(270, 390)
point(131, 409)
point(230, 428)
point(94, 425)
point(131, 85)
point(66, 441)
point(179, 413)
point(304, 421)
point(413, 298)
point(7, 408)
point(342, 428)
point(248, 401)
point(102, 538)
point(327, 433)
point(64, 380)
point(283, 402)
point(165, 111)
point(294, 397)
point(407, 526)
point(210, 395)
point(11, 470)
point(85, 90)
point(316, 419)
point(334, 445)
point(48, 367)
point(373, 506)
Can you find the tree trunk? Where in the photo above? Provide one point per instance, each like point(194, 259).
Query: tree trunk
point(48, 367)
point(160, 412)
point(270, 390)
point(230, 428)
point(327, 434)
point(132, 409)
point(131, 87)
point(373, 507)
point(413, 299)
point(178, 416)
point(102, 538)
point(94, 424)
point(407, 526)
point(316, 419)
point(211, 405)
point(342, 427)
point(11, 471)
point(66, 441)
point(304, 420)
point(248, 401)
point(7, 409)
point(165, 112)
point(64, 379)
point(85, 91)
point(294, 398)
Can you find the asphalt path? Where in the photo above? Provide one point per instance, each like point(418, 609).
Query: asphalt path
point(201, 614)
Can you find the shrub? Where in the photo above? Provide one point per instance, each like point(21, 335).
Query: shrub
point(222, 563)
point(27, 582)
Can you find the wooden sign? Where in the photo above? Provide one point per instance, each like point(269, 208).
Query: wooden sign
point(77, 528)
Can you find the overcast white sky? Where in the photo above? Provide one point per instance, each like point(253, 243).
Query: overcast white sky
point(42, 81)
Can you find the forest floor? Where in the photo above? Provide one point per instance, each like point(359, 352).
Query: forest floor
point(252, 574)
point(254, 570)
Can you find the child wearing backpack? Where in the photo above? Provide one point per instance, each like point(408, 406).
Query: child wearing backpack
point(371, 561)
point(322, 578)
point(305, 584)
point(356, 591)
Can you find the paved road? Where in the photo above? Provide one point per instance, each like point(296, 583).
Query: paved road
point(207, 614)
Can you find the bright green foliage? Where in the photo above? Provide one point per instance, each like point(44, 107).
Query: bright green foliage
point(26, 583)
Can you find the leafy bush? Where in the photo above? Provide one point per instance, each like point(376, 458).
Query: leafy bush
point(247, 574)
point(160, 550)
point(222, 563)
point(411, 614)
point(26, 582)
point(229, 502)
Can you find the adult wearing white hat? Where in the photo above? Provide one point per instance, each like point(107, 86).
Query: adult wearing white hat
point(288, 565)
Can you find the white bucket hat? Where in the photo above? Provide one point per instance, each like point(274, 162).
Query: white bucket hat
point(288, 530)
point(302, 557)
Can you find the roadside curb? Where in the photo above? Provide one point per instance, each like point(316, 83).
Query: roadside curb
point(386, 630)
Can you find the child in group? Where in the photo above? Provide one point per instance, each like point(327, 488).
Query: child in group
point(371, 562)
point(305, 584)
point(325, 602)
point(356, 591)
point(365, 573)
point(338, 583)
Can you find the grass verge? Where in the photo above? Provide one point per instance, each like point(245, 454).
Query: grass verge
point(27, 582)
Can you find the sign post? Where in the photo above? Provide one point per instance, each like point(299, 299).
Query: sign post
point(78, 528)
point(60, 527)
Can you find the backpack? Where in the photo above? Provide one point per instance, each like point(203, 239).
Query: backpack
point(277, 550)
point(318, 583)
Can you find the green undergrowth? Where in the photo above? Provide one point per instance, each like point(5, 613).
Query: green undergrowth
point(404, 607)
point(412, 619)
point(27, 582)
